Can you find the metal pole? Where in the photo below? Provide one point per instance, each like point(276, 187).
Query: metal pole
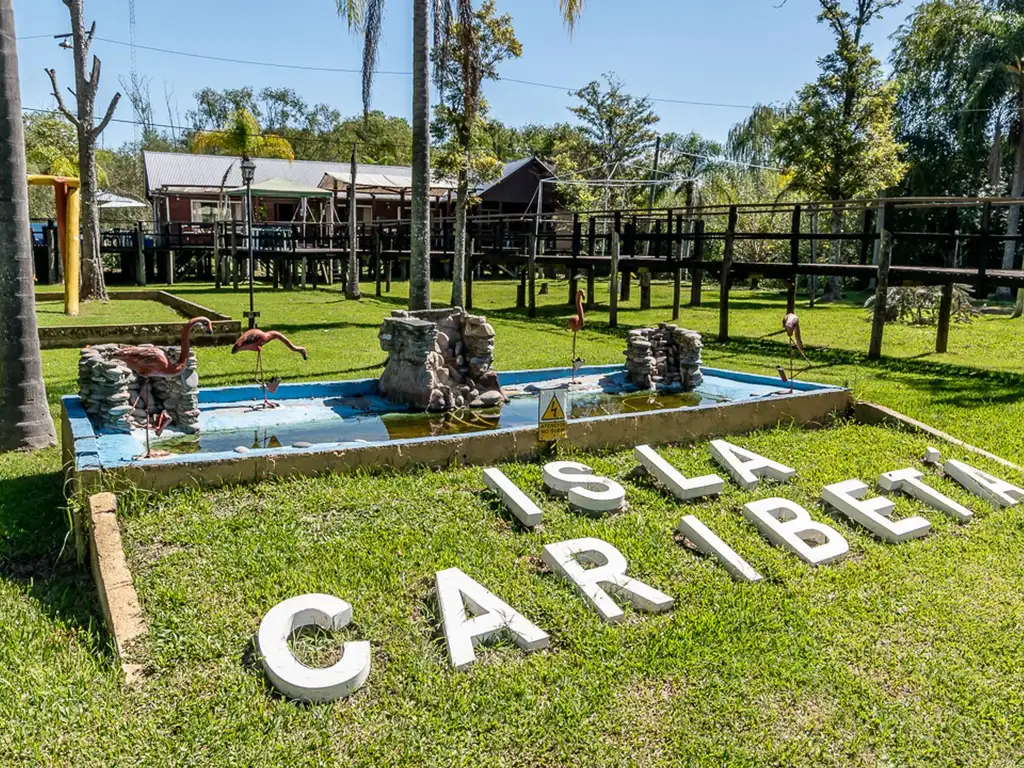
point(252, 265)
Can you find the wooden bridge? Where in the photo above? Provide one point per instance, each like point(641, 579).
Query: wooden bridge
point(906, 241)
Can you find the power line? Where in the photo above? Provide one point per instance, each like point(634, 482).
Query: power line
point(348, 71)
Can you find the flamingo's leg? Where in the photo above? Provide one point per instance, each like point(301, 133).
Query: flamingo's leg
point(149, 451)
point(263, 381)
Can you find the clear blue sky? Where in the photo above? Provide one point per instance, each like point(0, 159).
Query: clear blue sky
point(725, 51)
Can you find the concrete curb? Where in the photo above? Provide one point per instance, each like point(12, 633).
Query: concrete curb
point(225, 329)
point(871, 413)
point(118, 599)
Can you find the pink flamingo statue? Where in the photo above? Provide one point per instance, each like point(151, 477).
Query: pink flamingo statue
point(150, 363)
point(254, 340)
point(791, 325)
point(576, 325)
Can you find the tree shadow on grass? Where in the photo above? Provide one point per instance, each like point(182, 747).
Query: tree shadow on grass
point(37, 553)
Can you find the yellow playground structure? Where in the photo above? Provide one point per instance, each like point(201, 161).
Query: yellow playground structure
point(68, 199)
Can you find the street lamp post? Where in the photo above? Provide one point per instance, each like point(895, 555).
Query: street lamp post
point(248, 168)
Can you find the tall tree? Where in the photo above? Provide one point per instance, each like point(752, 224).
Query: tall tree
point(86, 85)
point(25, 422)
point(839, 136)
point(51, 147)
point(619, 128)
point(480, 43)
point(367, 16)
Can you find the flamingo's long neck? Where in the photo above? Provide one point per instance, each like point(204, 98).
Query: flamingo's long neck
point(186, 342)
point(284, 340)
point(579, 307)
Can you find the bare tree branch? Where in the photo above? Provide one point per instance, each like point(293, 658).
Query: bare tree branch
point(106, 118)
point(60, 101)
point(88, 38)
point(94, 76)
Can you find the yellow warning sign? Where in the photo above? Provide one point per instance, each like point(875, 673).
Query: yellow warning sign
point(554, 411)
point(551, 421)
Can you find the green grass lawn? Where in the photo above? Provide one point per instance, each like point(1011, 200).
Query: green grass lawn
point(126, 311)
point(900, 655)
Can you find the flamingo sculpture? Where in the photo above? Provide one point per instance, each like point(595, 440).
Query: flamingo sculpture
point(576, 325)
point(791, 325)
point(150, 363)
point(254, 340)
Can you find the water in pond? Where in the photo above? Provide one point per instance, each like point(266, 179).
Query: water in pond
point(362, 423)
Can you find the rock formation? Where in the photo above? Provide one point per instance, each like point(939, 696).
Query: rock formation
point(108, 389)
point(666, 356)
point(439, 360)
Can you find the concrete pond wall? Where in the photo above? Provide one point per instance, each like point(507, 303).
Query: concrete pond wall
point(807, 405)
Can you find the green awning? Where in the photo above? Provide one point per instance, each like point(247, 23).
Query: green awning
point(278, 187)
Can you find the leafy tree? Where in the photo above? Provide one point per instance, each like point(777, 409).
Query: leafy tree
point(89, 130)
point(241, 135)
point(619, 129)
point(838, 137)
point(51, 147)
point(25, 421)
point(480, 44)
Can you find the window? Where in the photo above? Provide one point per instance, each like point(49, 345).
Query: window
point(206, 211)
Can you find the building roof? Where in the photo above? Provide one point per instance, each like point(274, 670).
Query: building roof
point(278, 187)
point(181, 171)
point(523, 189)
point(371, 180)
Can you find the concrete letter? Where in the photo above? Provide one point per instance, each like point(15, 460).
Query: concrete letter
point(683, 488)
point(709, 544)
point(294, 679)
point(489, 616)
point(874, 514)
point(909, 481)
point(609, 572)
point(999, 492)
point(590, 492)
point(786, 524)
point(515, 501)
point(746, 467)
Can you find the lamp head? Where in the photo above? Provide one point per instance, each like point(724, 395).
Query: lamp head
point(248, 168)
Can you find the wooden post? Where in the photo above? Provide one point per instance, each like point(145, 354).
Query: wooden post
point(216, 255)
point(882, 281)
point(469, 274)
point(52, 260)
point(532, 269)
point(170, 267)
point(387, 276)
point(613, 285)
point(697, 281)
point(314, 272)
point(812, 279)
point(726, 281)
point(945, 309)
point(590, 287)
point(577, 236)
point(140, 255)
point(645, 287)
point(794, 259)
point(234, 255)
point(521, 289)
point(984, 247)
point(377, 248)
point(627, 274)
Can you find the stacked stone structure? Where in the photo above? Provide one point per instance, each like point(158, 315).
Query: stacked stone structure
point(666, 356)
point(108, 389)
point(439, 360)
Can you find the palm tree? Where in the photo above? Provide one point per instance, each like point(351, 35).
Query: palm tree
point(996, 92)
point(25, 421)
point(367, 16)
point(241, 135)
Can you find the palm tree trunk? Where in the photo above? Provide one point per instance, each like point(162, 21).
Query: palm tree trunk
point(25, 421)
point(459, 256)
point(835, 252)
point(1013, 215)
point(419, 248)
point(352, 283)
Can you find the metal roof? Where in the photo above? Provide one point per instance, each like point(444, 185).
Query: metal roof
point(510, 168)
point(375, 182)
point(180, 170)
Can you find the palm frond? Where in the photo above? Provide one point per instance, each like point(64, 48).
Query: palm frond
point(571, 11)
point(373, 21)
point(352, 12)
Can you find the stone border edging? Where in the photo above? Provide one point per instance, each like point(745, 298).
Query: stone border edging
point(118, 599)
point(225, 329)
point(872, 413)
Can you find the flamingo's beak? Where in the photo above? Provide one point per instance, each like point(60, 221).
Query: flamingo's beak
point(234, 350)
